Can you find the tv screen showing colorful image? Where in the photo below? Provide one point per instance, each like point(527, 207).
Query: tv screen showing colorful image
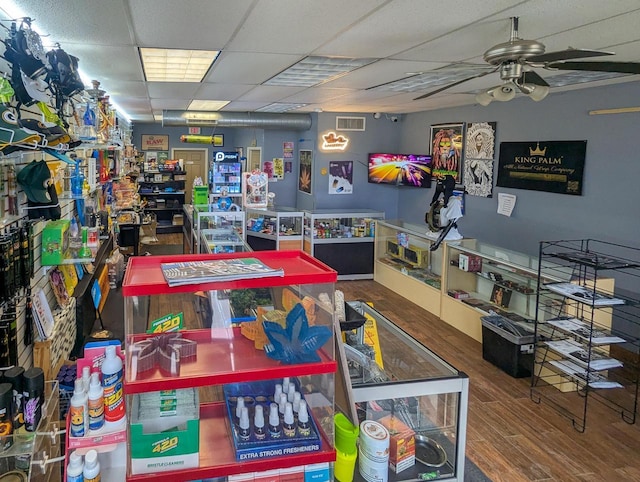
point(400, 169)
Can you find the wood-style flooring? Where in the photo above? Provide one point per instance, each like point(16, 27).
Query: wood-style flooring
point(509, 437)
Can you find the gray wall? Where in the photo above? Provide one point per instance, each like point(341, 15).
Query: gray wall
point(608, 207)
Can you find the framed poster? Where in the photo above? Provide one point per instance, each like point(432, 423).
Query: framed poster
point(154, 142)
point(217, 140)
point(306, 171)
point(551, 166)
point(447, 145)
point(341, 177)
point(478, 158)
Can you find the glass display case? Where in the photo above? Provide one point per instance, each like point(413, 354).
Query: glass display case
point(35, 456)
point(342, 238)
point(212, 363)
point(481, 278)
point(276, 228)
point(209, 222)
point(398, 382)
point(222, 240)
point(404, 263)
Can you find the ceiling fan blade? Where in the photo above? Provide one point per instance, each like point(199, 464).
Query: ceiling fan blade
point(437, 91)
point(533, 78)
point(567, 54)
point(621, 67)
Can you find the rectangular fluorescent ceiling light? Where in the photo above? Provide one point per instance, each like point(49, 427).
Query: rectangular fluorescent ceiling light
point(316, 70)
point(280, 107)
point(174, 65)
point(207, 104)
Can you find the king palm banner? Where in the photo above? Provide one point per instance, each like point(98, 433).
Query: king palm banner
point(551, 166)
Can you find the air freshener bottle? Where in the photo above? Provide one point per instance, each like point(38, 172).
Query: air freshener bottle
point(258, 423)
point(289, 424)
point(274, 421)
point(304, 426)
point(14, 376)
point(113, 390)
point(244, 431)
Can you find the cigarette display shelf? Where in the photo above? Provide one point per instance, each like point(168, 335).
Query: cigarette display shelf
point(481, 279)
point(225, 356)
point(404, 263)
point(587, 329)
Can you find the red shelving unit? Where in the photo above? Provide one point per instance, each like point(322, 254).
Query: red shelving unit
point(225, 356)
point(220, 361)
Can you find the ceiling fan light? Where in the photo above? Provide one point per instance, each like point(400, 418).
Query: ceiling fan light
point(539, 93)
point(504, 93)
point(484, 98)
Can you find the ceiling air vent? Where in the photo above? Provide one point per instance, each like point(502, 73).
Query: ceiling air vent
point(350, 123)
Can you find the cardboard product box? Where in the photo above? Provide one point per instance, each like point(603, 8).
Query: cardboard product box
point(317, 472)
point(458, 294)
point(164, 443)
point(55, 242)
point(267, 476)
point(292, 474)
point(402, 443)
point(470, 262)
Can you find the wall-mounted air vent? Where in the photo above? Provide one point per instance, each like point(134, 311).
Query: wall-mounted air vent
point(350, 123)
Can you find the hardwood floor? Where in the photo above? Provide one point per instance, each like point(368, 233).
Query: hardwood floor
point(510, 437)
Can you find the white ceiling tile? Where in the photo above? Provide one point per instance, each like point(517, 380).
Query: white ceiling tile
point(269, 93)
point(166, 103)
point(221, 91)
point(177, 90)
point(249, 67)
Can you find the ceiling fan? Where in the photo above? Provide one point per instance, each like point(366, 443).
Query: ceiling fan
point(515, 59)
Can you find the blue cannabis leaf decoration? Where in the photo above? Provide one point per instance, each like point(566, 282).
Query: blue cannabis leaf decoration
point(298, 342)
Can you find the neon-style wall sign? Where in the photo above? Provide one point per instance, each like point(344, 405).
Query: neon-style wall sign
point(334, 142)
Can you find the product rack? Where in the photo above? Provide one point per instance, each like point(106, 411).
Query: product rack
point(601, 322)
point(225, 356)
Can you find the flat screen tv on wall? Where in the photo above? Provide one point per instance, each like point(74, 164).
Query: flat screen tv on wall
point(400, 169)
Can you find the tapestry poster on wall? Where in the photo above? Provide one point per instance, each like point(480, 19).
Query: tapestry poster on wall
point(447, 144)
point(305, 176)
point(551, 166)
point(478, 158)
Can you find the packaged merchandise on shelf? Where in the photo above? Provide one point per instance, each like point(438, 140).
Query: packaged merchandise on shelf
point(288, 434)
point(402, 445)
point(165, 431)
point(55, 242)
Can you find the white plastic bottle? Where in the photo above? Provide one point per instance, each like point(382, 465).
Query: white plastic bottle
point(75, 468)
point(91, 470)
point(96, 402)
point(79, 410)
point(113, 390)
point(86, 376)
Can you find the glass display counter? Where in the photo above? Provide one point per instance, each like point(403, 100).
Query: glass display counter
point(481, 278)
point(343, 239)
point(222, 240)
point(207, 223)
point(398, 382)
point(405, 264)
point(276, 228)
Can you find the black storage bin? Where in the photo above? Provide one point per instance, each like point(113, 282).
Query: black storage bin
point(507, 345)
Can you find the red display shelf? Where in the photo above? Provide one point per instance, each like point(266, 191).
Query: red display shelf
point(217, 454)
point(95, 438)
point(220, 361)
point(144, 274)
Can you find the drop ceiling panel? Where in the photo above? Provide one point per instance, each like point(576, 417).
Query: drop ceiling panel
point(118, 88)
point(177, 90)
point(164, 103)
point(195, 24)
point(75, 22)
point(315, 96)
point(400, 25)
point(244, 106)
point(222, 91)
point(249, 67)
point(116, 63)
point(297, 27)
point(269, 93)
